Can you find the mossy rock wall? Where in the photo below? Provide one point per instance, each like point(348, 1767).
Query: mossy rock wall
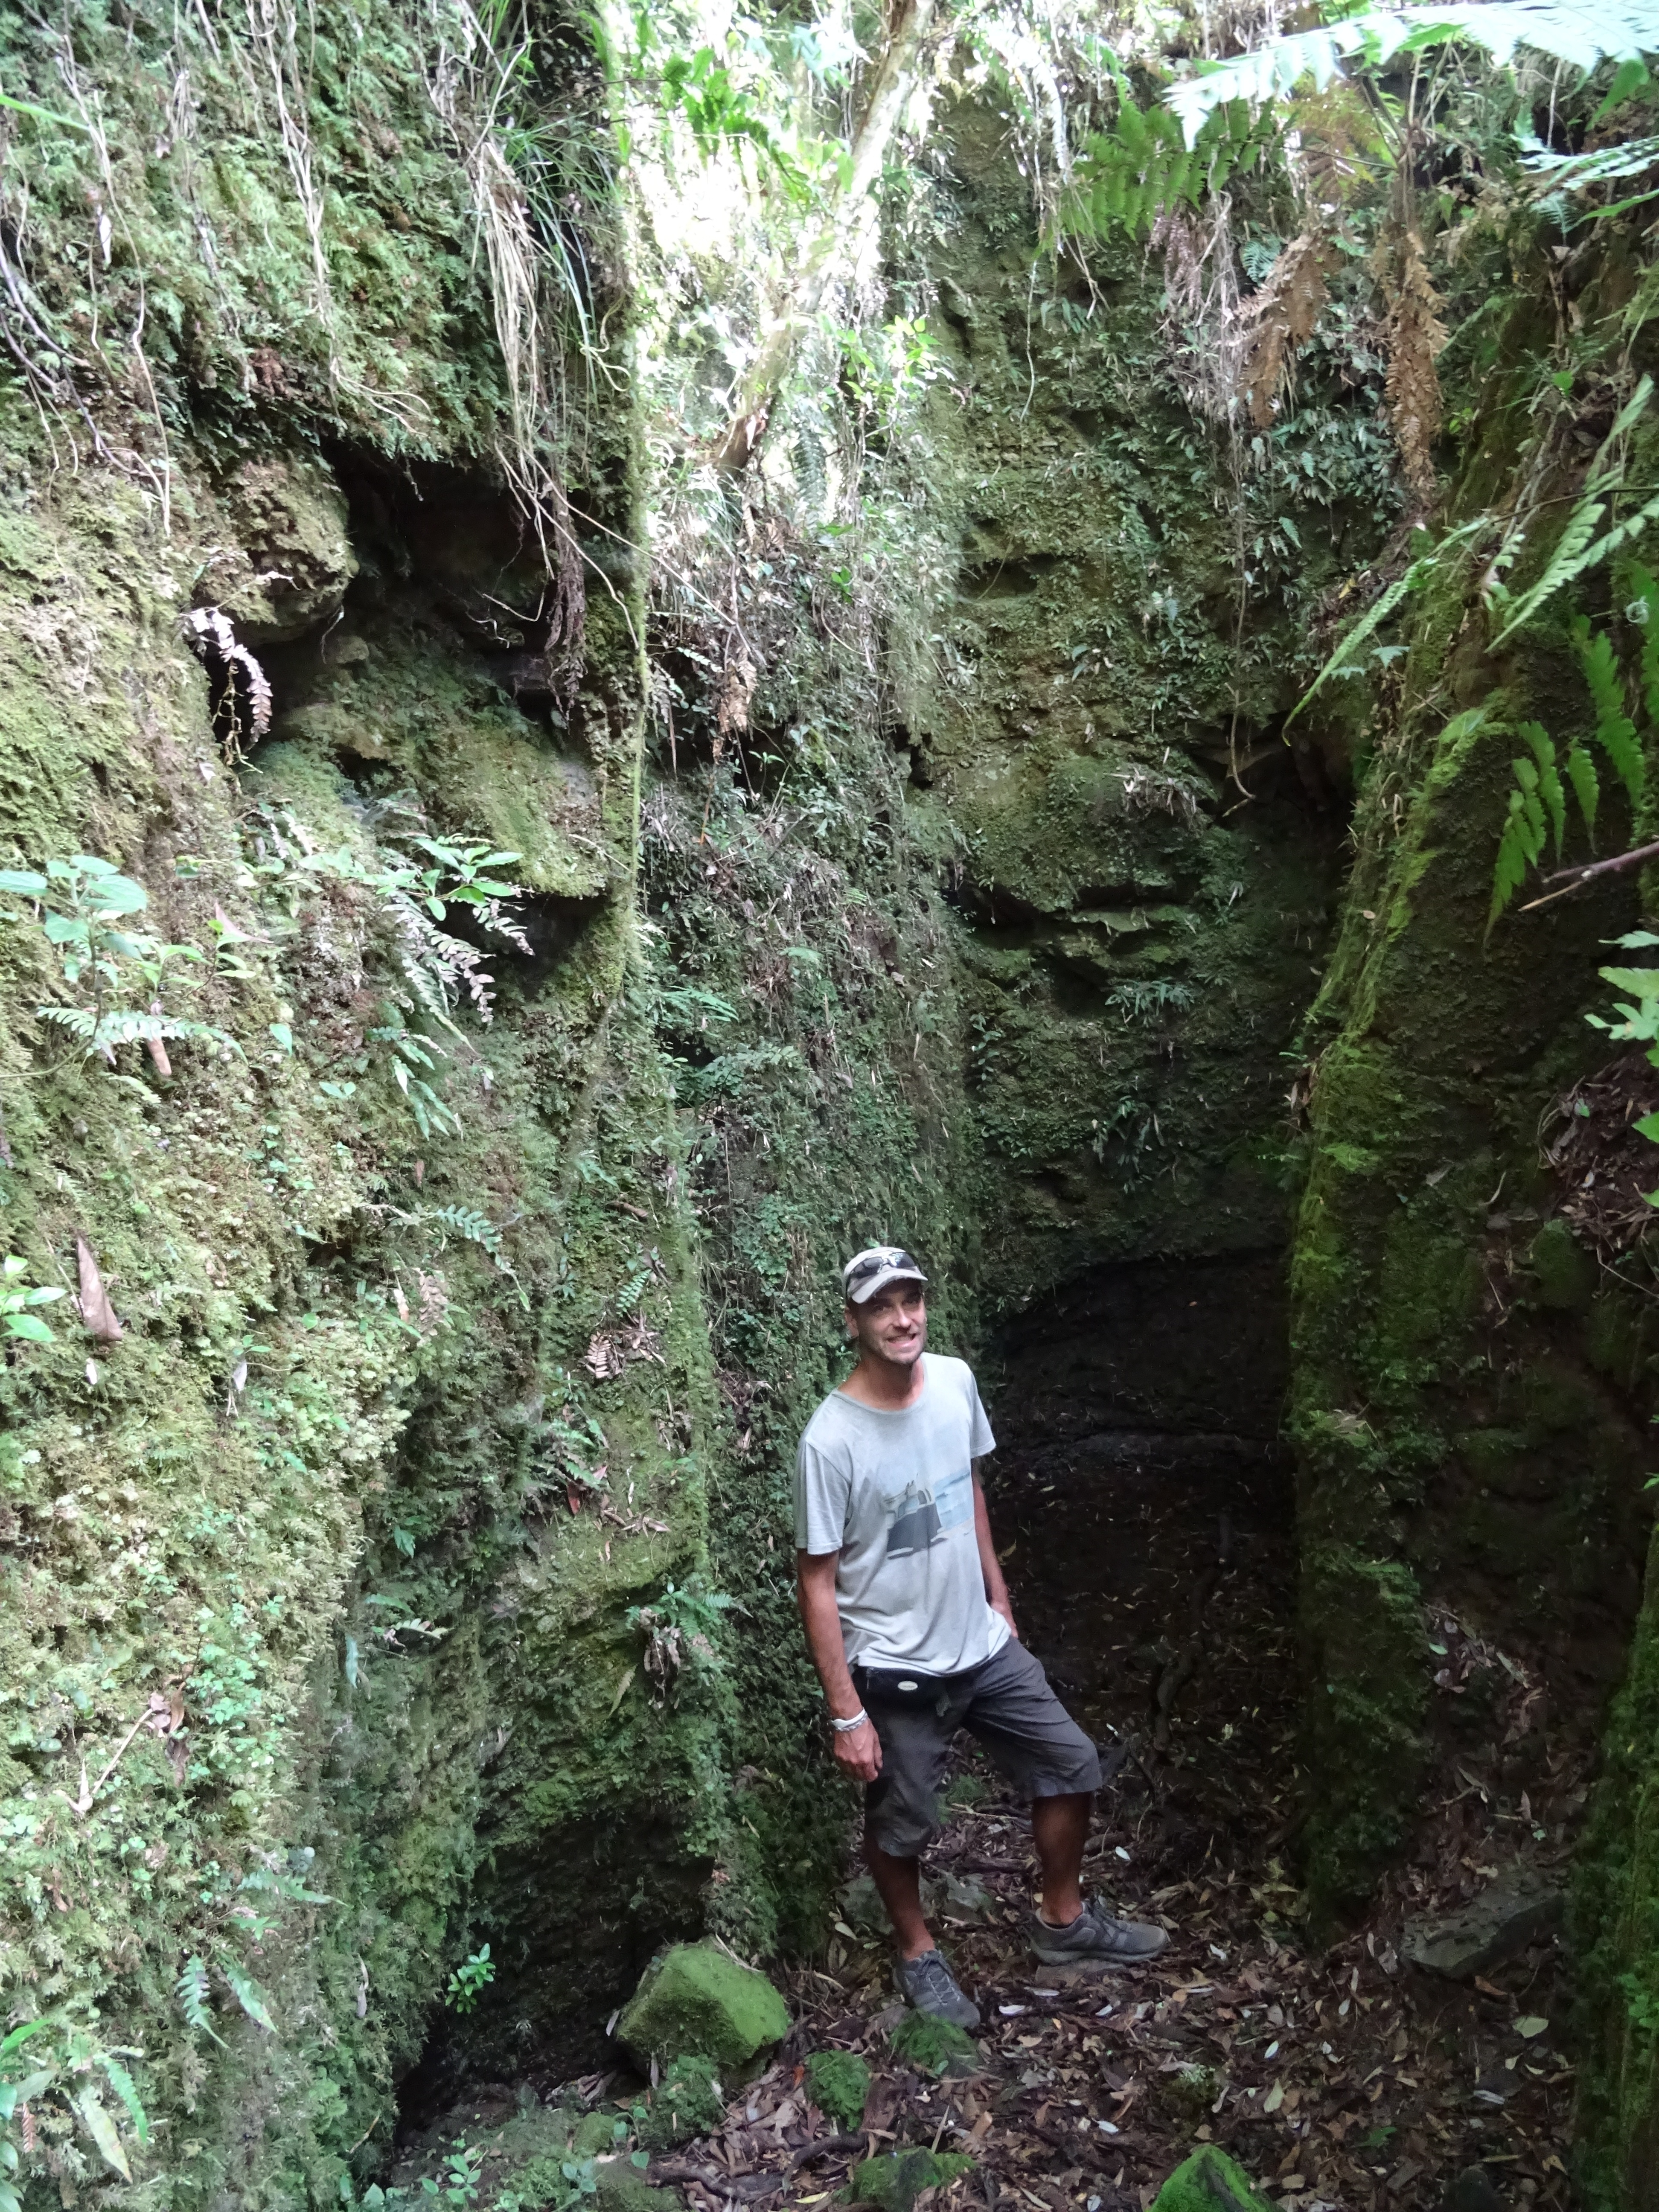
point(1472, 1382)
point(1140, 929)
point(315, 1648)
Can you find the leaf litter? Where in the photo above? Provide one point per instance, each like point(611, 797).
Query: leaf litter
point(1342, 2079)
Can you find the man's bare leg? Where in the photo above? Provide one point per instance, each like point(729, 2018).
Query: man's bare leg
point(899, 1881)
point(1060, 1829)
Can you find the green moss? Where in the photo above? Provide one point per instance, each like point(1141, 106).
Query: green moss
point(838, 2082)
point(893, 2182)
point(689, 2100)
point(621, 2187)
point(698, 1997)
point(1566, 1272)
point(1209, 2181)
point(933, 2046)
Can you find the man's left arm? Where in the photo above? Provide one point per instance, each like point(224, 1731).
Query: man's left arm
point(996, 1589)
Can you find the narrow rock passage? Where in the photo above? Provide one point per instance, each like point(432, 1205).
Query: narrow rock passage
point(1155, 1573)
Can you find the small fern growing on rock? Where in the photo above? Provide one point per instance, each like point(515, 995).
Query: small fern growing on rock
point(1538, 805)
point(83, 907)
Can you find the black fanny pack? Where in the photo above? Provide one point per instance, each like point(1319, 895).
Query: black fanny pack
point(902, 1685)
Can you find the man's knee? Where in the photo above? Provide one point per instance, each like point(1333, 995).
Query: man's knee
point(898, 1820)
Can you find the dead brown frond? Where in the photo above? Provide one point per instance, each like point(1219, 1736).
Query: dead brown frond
point(1201, 289)
point(1413, 336)
point(241, 698)
point(1227, 348)
point(1278, 318)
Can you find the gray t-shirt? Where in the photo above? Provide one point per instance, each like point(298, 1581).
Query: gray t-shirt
point(893, 1492)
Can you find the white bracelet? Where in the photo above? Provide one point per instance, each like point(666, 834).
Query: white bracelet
point(846, 1727)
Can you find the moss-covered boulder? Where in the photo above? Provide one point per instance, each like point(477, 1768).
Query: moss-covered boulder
point(838, 2082)
point(894, 2181)
point(1210, 2181)
point(697, 1998)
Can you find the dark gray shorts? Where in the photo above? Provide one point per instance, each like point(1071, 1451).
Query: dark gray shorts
point(1008, 1705)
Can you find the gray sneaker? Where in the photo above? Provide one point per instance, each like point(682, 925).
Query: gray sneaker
point(931, 1988)
point(1094, 1938)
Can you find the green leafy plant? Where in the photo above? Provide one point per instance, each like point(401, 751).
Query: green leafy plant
point(1150, 1002)
point(679, 1627)
point(47, 2066)
point(410, 894)
point(83, 907)
point(1538, 804)
point(1126, 176)
point(470, 1979)
point(18, 1295)
point(456, 2184)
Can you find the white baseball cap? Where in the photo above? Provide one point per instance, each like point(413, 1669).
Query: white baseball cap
point(873, 1269)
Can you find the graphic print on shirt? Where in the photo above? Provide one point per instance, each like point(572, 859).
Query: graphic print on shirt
point(921, 1513)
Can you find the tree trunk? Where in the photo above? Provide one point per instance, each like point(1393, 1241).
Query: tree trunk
point(894, 80)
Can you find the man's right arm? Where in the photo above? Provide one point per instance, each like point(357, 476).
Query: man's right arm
point(858, 1751)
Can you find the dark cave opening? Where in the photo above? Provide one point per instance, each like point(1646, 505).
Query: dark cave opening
point(1143, 1500)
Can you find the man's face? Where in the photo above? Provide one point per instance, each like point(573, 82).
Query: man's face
point(892, 1324)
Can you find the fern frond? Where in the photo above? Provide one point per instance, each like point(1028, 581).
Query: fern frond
point(1578, 548)
point(1615, 732)
point(1582, 35)
point(1515, 856)
point(1549, 781)
point(1586, 785)
point(122, 2082)
point(1567, 562)
point(1577, 173)
point(1126, 176)
point(192, 1990)
point(247, 1994)
point(1640, 589)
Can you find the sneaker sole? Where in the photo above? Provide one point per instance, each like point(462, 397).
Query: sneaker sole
point(1096, 1958)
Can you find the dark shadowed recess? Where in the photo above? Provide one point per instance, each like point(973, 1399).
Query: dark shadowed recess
point(1143, 1501)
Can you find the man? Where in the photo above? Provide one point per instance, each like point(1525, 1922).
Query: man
point(908, 1619)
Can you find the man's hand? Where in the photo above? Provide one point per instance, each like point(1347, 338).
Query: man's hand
point(1001, 1605)
point(858, 1752)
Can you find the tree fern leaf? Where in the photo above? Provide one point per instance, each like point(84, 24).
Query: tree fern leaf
point(1621, 30)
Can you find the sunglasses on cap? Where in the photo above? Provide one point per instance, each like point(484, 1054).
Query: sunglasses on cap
point(891, 1257)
